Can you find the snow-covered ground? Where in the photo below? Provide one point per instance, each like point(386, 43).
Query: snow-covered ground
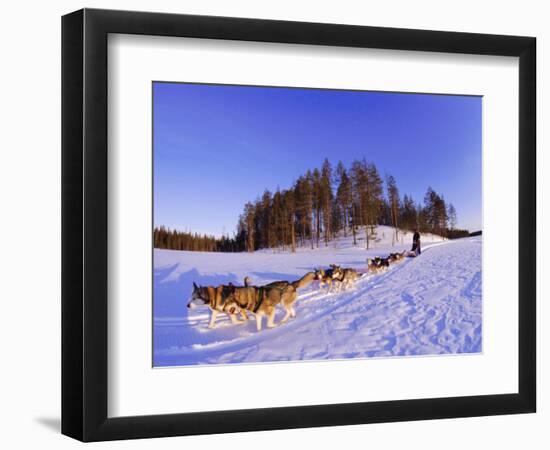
point(425, 305)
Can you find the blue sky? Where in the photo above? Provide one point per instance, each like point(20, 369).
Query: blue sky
point(217, 147)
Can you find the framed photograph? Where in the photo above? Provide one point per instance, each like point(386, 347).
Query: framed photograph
point(273, 224)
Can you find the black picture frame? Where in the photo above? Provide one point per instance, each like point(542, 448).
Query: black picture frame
point(84, 224)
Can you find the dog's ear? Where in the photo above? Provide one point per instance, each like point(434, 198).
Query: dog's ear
point(195, 287)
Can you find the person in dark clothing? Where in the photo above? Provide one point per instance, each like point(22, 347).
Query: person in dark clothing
point(416, 243)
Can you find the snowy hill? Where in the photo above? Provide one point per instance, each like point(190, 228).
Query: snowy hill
point(425, 305)
point(383, 238)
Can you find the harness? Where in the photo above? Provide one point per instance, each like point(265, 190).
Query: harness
point(260, 296)
point(329, 274)
point(339, 278)
point(226, 292)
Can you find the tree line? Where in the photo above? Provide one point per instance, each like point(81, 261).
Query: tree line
point(324, 202)
point(183, 240)
point(321, 204)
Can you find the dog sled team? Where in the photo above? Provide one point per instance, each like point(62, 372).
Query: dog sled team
point(263, 300)
point(259, 300)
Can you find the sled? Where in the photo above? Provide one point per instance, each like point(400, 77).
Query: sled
point(412, 254)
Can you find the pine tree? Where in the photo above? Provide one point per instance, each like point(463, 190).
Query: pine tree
point(451, 212)
point(442, 217)
point(435, 212)
point(317, 202)
point(421, 219)
point(359, 194)
point(409, 213)
point(301, 210)
point(344, 195)
point(249, 215)
point(265, 217)
point(277, 224)
point(306, 205)
point(430, 212)
point(326, 199)
point(290, 207)
point(393, 199)
point(373, 199)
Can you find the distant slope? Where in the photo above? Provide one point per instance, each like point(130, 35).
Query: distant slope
point(383, 238)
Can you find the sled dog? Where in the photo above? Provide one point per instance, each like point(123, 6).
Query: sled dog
point(375, 265)
point(345, 277)
point(262, 300)
point(384, 262)
point(219, 299)
point(325, 277)
point(290, 293)
point(396, 257)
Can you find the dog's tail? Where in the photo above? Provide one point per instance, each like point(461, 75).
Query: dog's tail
point(304, 281)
